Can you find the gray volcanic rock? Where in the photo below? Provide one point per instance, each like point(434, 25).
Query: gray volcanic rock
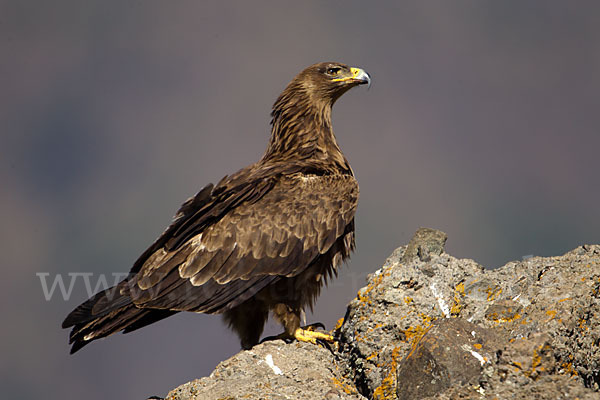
point(453, 351)
point(401, 300)
point(429, 325)
point(272, 370)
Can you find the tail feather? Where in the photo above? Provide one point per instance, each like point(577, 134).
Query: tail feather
point(84, 333)
point(97, 306)
point(106, 313)
point(150, 316)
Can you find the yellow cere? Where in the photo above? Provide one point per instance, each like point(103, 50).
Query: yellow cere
point(354, 71)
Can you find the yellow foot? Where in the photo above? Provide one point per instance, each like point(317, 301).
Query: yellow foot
point(306, 334)
point(311, 336)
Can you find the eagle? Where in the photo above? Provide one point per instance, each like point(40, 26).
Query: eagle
point(263, 240)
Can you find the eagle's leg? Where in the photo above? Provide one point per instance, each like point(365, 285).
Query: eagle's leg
point(290, 319)
point(248, 321)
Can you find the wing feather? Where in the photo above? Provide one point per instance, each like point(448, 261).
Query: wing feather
point(246, 241)
point(215, 264)
point(197, 262)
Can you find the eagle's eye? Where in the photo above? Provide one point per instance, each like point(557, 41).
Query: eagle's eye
point(333, 71)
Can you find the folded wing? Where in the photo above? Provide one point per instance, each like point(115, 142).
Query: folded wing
point(218, 257)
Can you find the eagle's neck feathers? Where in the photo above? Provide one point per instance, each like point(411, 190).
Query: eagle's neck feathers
point(301, 131)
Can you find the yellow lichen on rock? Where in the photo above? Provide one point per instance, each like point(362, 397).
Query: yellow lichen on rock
point(493, 293)
point(387, 389)
point(347, 388)
point(459, 293)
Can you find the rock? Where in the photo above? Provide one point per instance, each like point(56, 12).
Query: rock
point(425, 243)
point(395, 309)
point(273, 370)
point(452, 351)
point(409, 334)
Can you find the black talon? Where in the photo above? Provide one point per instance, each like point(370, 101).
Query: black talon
point(325, 344)
point(315, 325)
point(329, 347)
point(268, 339)
point(287, 340)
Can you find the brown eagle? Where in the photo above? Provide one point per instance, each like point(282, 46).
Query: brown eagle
point(264, 239)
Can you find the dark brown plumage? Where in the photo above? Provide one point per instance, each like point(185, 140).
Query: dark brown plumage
point(264, 239)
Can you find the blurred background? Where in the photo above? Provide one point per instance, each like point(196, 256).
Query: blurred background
point(482, 121)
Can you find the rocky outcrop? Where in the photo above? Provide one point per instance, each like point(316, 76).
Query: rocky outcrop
point(428, 325)
point(273, 370)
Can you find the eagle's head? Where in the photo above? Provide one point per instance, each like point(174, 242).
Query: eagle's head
point(301, 115)
point(327, 81)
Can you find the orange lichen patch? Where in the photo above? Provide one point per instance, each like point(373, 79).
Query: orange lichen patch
point(517, 365)
point(583, 324)
point(414, 333)
point(493, 316)
point(363, 298)
point(348, 389)
point(363, 294)
point(427, 320)
point(455, 309)
point(477, 346)
point(567, 369)
point(372, 356)
point(339, 324)
point(459, 293)
point(357, 337)
point(493, 293)
point(537, 359)
point(408, 300)
point(387, 389)
point(551, 314)
point(565, 299)
point(536, 362)
point(501, 319)
point(514, 318)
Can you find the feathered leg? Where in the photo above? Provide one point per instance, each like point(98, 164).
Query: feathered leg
point(248, 321)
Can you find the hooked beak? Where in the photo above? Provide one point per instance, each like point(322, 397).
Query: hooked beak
point(362, 76)
point(358, 76)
